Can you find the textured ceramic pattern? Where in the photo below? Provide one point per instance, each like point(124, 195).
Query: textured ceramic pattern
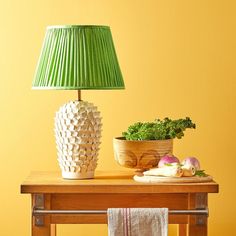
point(78, 133)
point(141, 154)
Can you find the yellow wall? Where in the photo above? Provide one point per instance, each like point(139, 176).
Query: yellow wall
point(178, 59)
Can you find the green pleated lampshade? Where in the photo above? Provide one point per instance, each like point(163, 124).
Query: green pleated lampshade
point(78, 57)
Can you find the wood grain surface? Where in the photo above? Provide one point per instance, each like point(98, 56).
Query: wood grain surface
point(107, 182)
point(163, 179)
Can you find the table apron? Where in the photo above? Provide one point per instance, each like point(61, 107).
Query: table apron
point(104, 201)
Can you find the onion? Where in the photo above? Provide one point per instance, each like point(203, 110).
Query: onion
point(168, 171)
point(188, 170)
point(191, 161)
point(167, 159)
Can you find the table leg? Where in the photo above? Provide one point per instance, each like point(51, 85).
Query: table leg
point(197, 225)
point(196, 229)
point(46, 230)
point(182, 230)
point(41, 225)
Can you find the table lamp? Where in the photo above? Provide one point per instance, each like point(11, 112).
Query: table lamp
point(78, 57)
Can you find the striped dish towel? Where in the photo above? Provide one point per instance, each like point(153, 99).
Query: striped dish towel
point(137, 222)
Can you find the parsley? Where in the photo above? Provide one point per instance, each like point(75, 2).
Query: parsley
point(159, 129)
point(200, 173)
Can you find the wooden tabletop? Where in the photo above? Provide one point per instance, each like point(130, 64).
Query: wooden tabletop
point(107, 182)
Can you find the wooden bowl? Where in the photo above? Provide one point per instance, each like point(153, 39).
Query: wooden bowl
point(141, 155)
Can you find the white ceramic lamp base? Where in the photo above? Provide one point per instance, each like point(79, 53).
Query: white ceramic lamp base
point(78, 175)
point(78, 132)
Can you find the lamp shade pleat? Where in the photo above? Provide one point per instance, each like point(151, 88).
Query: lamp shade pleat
point(78, 57)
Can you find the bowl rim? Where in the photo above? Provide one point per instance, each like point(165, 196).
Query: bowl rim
point(121, 138)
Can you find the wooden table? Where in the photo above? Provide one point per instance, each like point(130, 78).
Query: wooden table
point(110, 190)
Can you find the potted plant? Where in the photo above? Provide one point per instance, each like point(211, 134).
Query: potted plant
point(143, 144)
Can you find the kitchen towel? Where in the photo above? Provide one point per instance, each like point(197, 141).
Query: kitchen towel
point(137, 221)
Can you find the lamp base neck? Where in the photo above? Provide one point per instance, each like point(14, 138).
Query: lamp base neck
point(79, 95)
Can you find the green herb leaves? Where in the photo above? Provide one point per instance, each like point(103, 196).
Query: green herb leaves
point(158, 130)
point(200, 173)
